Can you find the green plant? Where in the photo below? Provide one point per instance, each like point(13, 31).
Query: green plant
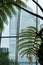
point(40, 50)
point(28, 41)
point(40, 54)
point(7, 10)
point(4, 60)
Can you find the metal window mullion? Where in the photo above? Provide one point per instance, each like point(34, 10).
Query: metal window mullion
point(17, 34)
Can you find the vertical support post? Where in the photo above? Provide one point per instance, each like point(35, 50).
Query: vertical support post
point(37, 17)
point(17, 33)
point(36, 24)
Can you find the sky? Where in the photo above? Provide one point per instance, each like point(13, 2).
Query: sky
point(6, 30)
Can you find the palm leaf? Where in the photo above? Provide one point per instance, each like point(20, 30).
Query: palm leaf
point(28, 42)
point(11, 8)
point(27, 51)
point(26, 38)
point(1, 24)
point(8, 9)
point(25, 44)
point(20, 2)
point(3, 16)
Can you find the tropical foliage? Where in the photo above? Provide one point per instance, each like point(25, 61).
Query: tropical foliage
point(7, 10)
point(40, 50)
point(40, 54)
point(4, 60)
point(28, 41)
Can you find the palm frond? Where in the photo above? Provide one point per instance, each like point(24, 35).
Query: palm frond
point(28, 44)
point(20, 2)
point(26, 38)
point(27, 51)
point(12, 9)
point(8, 9)
point(25, 44)
point(3, 16)
point(1, 24)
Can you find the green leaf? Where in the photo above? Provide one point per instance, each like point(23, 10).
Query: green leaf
point(3, 16)
point(26, 38)
point(12, 9)
point(1, 24)
point(28, 42)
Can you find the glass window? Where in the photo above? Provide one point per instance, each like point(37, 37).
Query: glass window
point(15, 25)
